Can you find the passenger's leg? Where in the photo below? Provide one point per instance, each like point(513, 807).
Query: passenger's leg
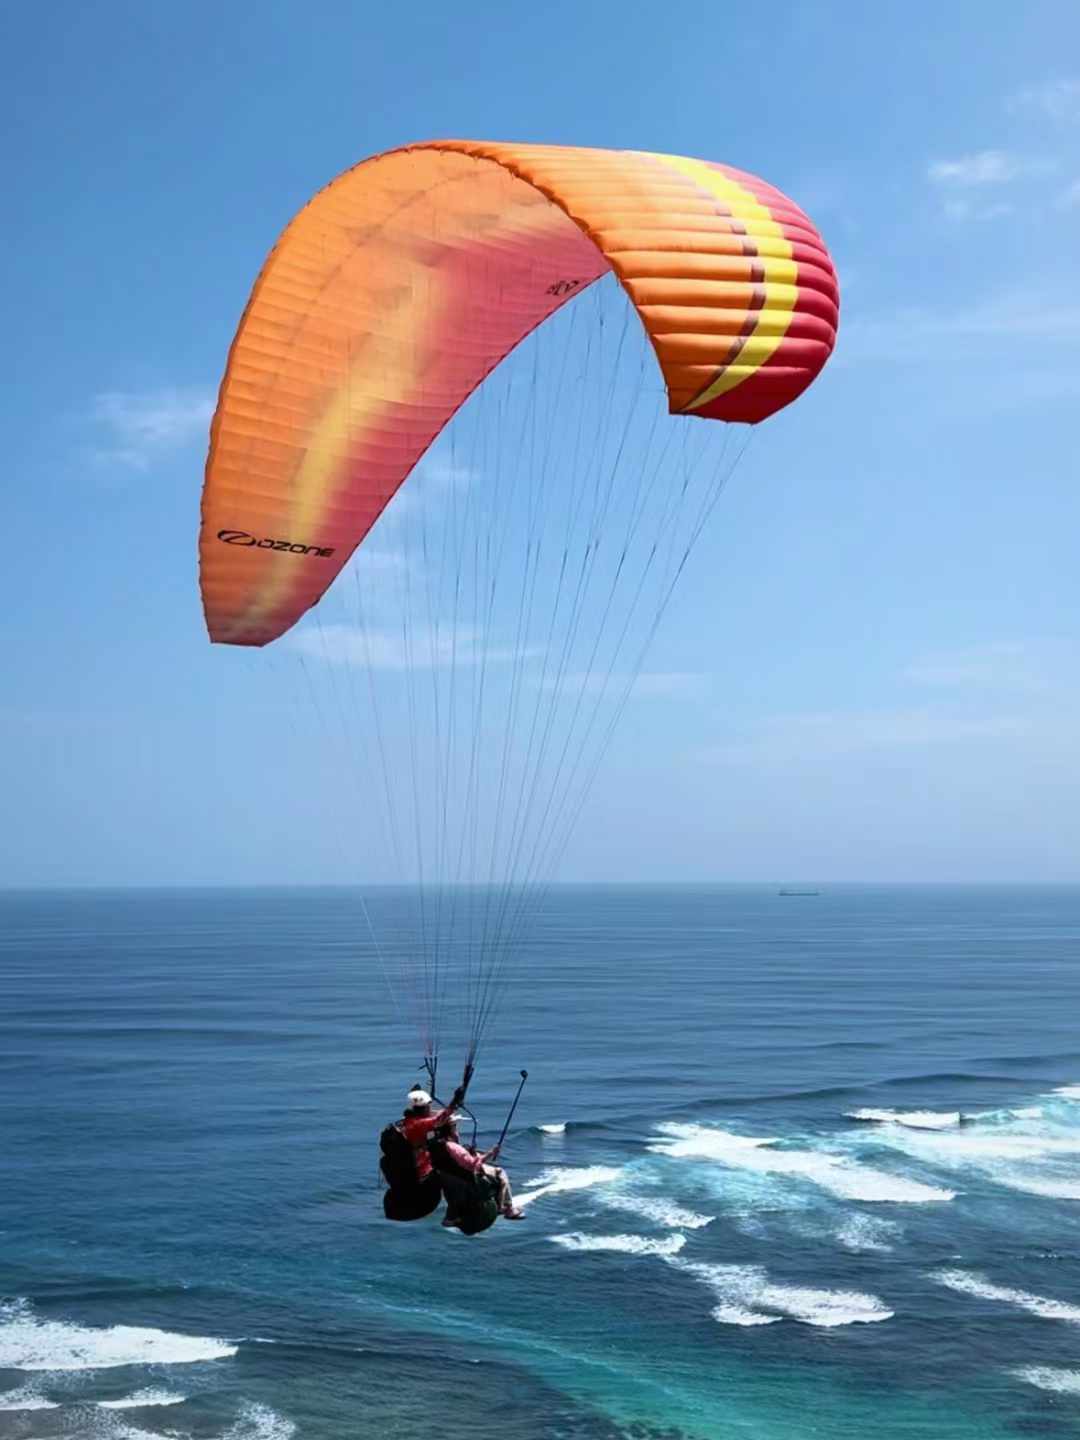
point(505, 1196)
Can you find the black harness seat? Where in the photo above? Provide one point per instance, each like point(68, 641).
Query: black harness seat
point(407, 1196)
point(471, 1201)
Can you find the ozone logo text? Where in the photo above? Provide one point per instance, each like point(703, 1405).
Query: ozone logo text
point(241, 537)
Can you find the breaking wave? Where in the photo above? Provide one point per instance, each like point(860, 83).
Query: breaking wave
point(1049, 1188)
point(624, 1244)
point(1045, 1309)
point(259, 1422)
point(26, 1397)
point(1049, 1377)
point(1030, 1149)
point(660, 1212)
point(559, 1179)
point(840, 1176)
point(30, 1343)
point(253, 1422)
point(867, 1233)
point(746, 1296)
point(141, 1398)
point(913, 1119)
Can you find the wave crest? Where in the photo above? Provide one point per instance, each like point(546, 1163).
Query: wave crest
point(1049, 1377)
point(559, 1179)
point(623, 1244)
point(970, 1284)
point(747, 1296)
point(658, 1211)
point(30, 1343)
point(912, 1119)
point(143, 1398)
point(841, 1177)
point(26, 1397)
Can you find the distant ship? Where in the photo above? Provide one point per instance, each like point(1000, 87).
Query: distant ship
point(800, 892)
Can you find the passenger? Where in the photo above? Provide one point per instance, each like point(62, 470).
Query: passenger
point(449, 1154)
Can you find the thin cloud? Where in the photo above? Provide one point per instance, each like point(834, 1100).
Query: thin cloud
point(1001, 664)
point(964, 182)
point(139, 427)
point(372, 577)
point(669, 685)
point(1008, 667)
point(444, 475)
point(1020, 694)
point(650, 685)
point(422, 491)
point(902, 335)
point(793, 738)
point(371, 560)
point(963, 209)
point(420, 648)
point(985, 167)
point(1058, 99)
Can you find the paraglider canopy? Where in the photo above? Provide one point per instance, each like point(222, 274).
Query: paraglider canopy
point(392, 295)
point(526, 566)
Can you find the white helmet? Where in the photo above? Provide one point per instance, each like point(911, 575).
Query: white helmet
point(418, 1099)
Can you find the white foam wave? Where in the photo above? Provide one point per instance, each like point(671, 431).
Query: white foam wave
point(254, 1422)
point(1068, 1092)
point(738, 1315)
point(1052, 1189)
point(559, 1180)
point(1046, 1309)
point(141, 1398)
point(659, 1211)
point(1032, 1154)
point(29, 1343)
point(25, 1398)
point(867, 1233)
point(259, 1422)
point(624, 1244)
point(1049, 1377)
point(1005, 1147)
point(552, 1129)
point(747, 1296)
point(848, 1180)
point(913, 1119)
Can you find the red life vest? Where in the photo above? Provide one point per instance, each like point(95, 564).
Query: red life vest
point(416, 1129)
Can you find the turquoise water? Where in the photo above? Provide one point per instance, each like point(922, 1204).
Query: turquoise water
point(190, 1220)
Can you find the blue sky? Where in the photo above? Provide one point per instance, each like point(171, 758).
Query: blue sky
point(881, 639)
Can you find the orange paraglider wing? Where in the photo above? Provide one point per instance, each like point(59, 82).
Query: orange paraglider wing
point(404, 282)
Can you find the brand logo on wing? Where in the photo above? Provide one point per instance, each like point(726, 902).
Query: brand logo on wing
point(241, 537)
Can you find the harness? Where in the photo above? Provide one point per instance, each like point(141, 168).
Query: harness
point(407, 1197)
point(470, 1194)
point(396, 1158)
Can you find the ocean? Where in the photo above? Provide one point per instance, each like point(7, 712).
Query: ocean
point(792, 1166)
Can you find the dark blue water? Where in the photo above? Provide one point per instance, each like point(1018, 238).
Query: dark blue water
point(190, 1219)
